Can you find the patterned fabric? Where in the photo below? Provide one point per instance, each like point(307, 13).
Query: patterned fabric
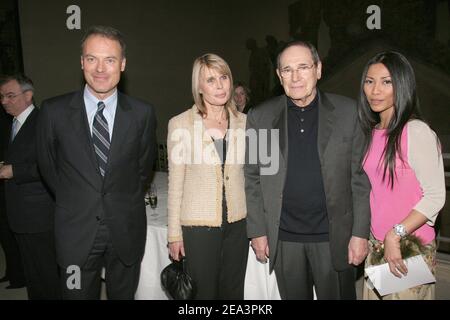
point(422, 292)
point(196, 182)
point(100, 137)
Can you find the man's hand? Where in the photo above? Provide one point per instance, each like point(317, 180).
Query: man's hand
point(6, 171)
point(261, 248)
point(358, 248)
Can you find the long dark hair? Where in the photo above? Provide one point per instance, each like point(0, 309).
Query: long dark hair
point(406, 107)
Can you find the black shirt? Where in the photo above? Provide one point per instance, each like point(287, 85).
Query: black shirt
point(221, 148)
point(304, 214)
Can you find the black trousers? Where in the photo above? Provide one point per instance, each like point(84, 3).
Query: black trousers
point(300, 266)
point(39, 262)
point(14, 266)
point(216, 259)
point(121, 280)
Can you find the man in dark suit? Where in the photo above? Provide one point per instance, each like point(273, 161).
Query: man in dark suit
point(308, 209)
point(13, 269)
point(29, 205)
point(97, 148)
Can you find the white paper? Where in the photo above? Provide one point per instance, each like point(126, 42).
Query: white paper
point(386, 283)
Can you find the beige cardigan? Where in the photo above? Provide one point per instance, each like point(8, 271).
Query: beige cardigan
point(195, 174)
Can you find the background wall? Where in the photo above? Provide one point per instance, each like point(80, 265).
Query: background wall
point(163, 38)
point(11, 52)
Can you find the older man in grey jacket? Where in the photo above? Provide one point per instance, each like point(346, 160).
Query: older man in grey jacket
point(308, 209)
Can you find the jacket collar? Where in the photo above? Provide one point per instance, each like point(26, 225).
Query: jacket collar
point(235, 123)
point(326, 120)
point(79, 121)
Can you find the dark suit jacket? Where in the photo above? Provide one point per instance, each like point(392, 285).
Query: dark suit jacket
point(347, 188)
point(69, 165)
point(5, 121)
point(29, 205)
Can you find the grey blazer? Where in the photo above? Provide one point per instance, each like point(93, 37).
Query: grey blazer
point(347, 188)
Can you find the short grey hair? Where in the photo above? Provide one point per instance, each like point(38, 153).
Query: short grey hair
point(25, 83)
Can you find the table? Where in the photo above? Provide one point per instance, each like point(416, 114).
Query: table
point(156, 255)
point(259, 285)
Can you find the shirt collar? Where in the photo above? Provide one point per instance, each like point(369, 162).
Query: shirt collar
point(310, 106)
point(25, 113)
point(93, 99)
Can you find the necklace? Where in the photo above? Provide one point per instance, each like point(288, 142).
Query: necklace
point(219, 121)
point(216, 113)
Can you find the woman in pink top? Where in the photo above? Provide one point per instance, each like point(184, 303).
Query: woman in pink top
point(404, 164)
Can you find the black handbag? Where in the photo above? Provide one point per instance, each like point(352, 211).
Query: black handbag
point(176, 282)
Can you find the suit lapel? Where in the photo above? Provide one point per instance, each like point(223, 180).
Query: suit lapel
point(122, 122)
point(80, 124)
point(235, 125)
point(208, 148)
point(280, 122)
point(7, 137)
point(23, 129)
point(326, 120)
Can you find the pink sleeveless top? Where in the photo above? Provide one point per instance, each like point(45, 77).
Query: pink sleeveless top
point(390, 206)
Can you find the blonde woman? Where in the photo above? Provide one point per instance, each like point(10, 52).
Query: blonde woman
point(206, 203)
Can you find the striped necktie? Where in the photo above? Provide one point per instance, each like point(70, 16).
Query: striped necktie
point(100, 137)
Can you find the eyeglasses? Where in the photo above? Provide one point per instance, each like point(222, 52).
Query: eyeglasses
point(10, 96)
point(302, 69)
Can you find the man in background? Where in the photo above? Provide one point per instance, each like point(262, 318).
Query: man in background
point(29, 205)
point(13, 267)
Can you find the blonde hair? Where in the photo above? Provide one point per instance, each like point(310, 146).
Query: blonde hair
point(210, 61)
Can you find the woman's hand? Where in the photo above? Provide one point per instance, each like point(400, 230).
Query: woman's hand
point(392, 254)
point(176, 250)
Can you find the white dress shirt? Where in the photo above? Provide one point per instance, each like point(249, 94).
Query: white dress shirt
point(21, 118)
point(91, 101)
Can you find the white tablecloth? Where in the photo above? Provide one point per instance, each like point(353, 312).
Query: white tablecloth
point(259, 285)
point(156, 255)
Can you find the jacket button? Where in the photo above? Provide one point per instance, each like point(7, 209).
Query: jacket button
point(227, 178)
point(98, 218)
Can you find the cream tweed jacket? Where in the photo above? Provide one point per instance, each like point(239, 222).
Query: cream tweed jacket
point(195, 174)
